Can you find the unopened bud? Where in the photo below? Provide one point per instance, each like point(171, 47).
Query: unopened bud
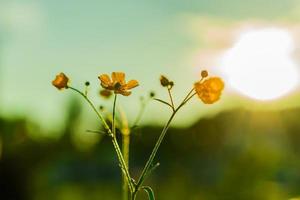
point(152, 94)
point(204, 73)
point(164, 81)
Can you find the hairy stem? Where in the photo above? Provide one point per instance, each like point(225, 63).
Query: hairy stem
point(125, 130)
point(113, 137)
point(94, 108)
point(125, 151)
point(158, 143)
point(171, 99)
point(113, 123)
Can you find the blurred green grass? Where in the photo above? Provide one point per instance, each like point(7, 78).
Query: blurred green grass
point(238, 154)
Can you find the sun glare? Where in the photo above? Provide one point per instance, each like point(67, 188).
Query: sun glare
point(260, 64)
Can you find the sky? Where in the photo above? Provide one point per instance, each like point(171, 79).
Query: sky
point(145, 39)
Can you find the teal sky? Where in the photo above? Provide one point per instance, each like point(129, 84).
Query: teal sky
point(142, 38)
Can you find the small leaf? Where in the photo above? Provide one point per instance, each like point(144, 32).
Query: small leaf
point(161, 101)
point(149, 192)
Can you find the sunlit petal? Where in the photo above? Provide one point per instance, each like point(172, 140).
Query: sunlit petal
point(118, 77)
point(105, 80)
point(132, 84)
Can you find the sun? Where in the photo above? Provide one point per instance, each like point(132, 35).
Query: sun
point(260, 64)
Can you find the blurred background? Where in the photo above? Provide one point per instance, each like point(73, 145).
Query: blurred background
point(246, 146)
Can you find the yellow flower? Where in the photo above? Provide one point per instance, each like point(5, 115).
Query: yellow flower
point(209, 91)
point(117, 83)
point(60, 81)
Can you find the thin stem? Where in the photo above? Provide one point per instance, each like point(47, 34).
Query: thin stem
point(190, 97)
point(114, 116)
point(125, 164)
point(114, 140)
point(94, 108)
point(164, 102)
point(187, 96)
point(125, 130)
point(171, 98)
point(158, 143)
point(154, 151)
point(125, 151)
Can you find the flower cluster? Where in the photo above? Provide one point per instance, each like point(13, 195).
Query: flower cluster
point(208, 89)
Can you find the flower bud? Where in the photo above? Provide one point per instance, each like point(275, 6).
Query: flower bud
point(152, 94)
point(164, 81)
point(204, 73)
point(60, 81)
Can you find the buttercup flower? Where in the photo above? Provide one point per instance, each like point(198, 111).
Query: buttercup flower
point(60, 81)
point(209, 91)
point(117, 83)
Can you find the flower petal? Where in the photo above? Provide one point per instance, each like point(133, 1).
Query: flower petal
point(215, 83)
point(123, 92)
point(118, 77)
point(105, 80)
point(210, 90)
point(210, 98)
point(132, 84)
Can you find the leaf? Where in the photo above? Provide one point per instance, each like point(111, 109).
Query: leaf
point(149, 192)
point(164, 102)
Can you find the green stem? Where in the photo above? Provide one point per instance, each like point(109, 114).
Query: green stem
point(158, 143)
point(123, 164)
point(114, 116)
point(154, 151)
point(187, 96)
point(171, 99)
point(114, 139)
point(125, 151)
point(125, 130)
point(123, 159)
point(94, 108)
